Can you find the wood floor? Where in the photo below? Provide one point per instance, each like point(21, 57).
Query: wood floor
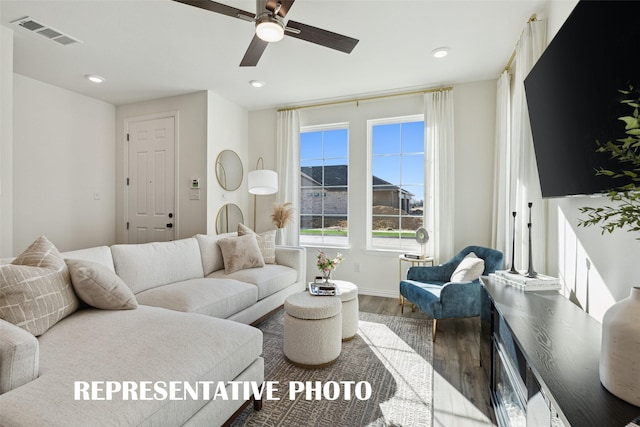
point(461, 396)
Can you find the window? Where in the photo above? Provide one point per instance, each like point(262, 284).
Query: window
point(324, 191)
point(396, 188)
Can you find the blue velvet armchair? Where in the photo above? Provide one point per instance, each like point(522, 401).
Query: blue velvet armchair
point(429, 288)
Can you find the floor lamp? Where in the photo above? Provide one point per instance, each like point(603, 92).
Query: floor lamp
point(261, 182)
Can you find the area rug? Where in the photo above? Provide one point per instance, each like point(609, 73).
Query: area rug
point(392, 354)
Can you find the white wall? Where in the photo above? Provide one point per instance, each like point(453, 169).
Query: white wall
point(228, 129)
point(6, 142)
point(63, 157)
point(376, 272)
point(191, 215)
point(597, 269)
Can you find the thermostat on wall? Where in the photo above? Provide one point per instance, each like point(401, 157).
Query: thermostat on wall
point(195, 183)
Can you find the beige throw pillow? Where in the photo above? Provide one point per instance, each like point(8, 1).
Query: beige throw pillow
point(35, 290)
point(266, 242)
point(100, 287)
point(240, 252)
point(469, 269)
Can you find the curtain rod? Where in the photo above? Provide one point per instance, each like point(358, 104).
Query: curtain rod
point(533, 18)
point(368, 98)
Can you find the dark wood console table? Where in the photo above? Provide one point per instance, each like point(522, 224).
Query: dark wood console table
point(554, 349)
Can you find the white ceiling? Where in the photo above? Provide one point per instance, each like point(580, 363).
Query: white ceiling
point(150, 49)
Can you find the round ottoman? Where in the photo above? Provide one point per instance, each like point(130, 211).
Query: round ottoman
point(350, 308)
point(312, 330)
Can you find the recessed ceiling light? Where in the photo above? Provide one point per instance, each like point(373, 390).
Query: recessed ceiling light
point(256, 83)
point(94, 78)
point(440, 52)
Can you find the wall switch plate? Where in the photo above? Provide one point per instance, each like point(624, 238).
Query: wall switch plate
point(194, 194)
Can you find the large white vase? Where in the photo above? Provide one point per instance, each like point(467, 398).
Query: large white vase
point(620, 353)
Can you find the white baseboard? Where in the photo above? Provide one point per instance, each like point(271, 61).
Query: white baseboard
point(378, 292)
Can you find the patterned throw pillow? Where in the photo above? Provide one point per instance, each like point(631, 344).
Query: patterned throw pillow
point(35, 289)
point(100, 287)
point(240, 252)
point(266, 242)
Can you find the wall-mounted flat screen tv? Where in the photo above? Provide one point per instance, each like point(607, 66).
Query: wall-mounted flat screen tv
point(573, 99)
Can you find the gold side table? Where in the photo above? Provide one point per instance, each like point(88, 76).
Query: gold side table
point(414, 262)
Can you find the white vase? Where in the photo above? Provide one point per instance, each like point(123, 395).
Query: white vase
point(620, 352)
point(279, 236)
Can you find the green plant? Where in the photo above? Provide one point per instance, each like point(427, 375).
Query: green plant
point(626, 212)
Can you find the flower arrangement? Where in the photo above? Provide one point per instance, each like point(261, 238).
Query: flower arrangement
point(327, 265)
point(282, 214)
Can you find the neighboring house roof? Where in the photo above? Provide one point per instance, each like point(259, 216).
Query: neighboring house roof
point(336, 176)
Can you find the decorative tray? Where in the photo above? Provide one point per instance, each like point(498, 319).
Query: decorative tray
point(321, 289)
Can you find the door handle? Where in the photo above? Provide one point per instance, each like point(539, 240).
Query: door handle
point(170, 225)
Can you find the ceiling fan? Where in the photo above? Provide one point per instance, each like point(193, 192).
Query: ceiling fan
point(270, 27)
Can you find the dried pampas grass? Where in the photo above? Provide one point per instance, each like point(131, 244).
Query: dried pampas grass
point(282, 214)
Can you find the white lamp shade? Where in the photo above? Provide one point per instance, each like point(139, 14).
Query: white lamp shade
point(262, 181)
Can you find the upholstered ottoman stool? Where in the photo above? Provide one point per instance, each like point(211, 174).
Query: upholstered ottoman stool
point(350, 308)
point(312, 330)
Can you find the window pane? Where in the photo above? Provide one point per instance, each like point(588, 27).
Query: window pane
point(310, 200)
point(386, 169)
point(386, 139)
point(311, 145)
point(335, 201)
point(335, 175)
point(413, 137)
point(413, 169)
point(334, 143)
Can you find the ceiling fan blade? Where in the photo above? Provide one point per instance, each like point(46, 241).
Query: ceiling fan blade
point(322, 37)
point(254, 52)
point(285, 5)
point(223, 9)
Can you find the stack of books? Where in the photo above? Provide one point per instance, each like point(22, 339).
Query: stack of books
point(521, 281)
point(414, 256)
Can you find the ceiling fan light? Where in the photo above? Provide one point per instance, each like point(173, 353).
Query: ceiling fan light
point(270, 29)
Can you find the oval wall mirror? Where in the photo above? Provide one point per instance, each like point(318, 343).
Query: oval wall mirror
point(228, 218)
point(229, 170)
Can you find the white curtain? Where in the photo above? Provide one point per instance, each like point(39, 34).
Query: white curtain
point(438, 119)
point(501, 230)
point(525, 185)
point(288, 163)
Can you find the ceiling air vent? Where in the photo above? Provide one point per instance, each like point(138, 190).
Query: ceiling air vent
point(46, 31)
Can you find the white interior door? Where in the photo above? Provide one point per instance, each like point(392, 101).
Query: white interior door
point(151, 180)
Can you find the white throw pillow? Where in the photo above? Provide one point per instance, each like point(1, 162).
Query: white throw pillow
point(240, 253)
point(100, 287)
point(266, 242)
point(469, 269)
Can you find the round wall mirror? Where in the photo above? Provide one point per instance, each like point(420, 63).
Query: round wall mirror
point(228, 218)
point(229, 170)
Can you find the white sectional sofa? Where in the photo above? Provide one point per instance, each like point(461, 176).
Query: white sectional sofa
point(191, 325)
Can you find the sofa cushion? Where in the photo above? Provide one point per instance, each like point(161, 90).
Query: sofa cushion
point(210, 251)
point(469, 269)
point(269, 279)
point(266, 242)
point(213, 297)
point(35, 290)
point(240, 252)
point(149, 265)
point(99, 254)
point(147, 344)
point(100, 287)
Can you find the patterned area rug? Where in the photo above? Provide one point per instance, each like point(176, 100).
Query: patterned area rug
point(393, 354)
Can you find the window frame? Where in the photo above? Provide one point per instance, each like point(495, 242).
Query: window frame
point(428, 204)
point(323, 128)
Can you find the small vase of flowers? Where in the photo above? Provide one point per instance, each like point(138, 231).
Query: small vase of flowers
point(326, 265)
